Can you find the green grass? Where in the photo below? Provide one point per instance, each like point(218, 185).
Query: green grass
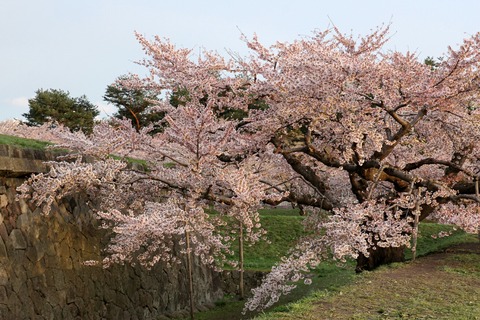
point(284, 230)
point(142, 163)
point(455, 286)
point(467, 264)
point(430, 288)
point(280, 212)
point(23, 143)
point(284, 227)
point(401, 290)
point(42, 145)
point(426, 244)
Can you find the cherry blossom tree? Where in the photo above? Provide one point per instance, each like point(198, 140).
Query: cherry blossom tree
point(406, 135)
point(151, 210)
point(370, 141)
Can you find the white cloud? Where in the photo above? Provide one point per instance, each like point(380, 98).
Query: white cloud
point(13, 108)
point(19, 102)
point(106, 109)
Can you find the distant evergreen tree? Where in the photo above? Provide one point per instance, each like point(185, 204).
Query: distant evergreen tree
point(432, 62)
point(57, 105)
point(132, 104)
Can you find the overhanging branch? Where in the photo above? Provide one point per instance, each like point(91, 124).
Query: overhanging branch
point(427, 161)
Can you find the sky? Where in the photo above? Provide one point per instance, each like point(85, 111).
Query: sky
point(83, 46)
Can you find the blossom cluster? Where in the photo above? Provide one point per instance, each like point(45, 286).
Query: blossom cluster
point(370, 142)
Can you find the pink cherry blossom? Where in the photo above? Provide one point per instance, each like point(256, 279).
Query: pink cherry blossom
point(368, 141)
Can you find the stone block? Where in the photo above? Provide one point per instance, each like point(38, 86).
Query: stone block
point(126, 315)
point(70, 276)
point(3, 249)
point(3, 295)
point(80, 303)
point(23, 222)
point(70, 311)
point(35, 254)
point(57, 312)
point(21, 289)
point(46, 311)
point(15, 167)
point(144, 298)
point(36, 269)
point(12, 196)
point(3, 200)
point(60, 232)
point(23, 206)
point(39, 283)
point(63, 249)
point(18, 240)
point(67, 263)
point(71, 295)
point(4, 278)
point(113, 311)
point(110, 295)
point(13, 183)
point(3, 232)
point(18, 259)
point(4, 312)
point(59, 280)
point(48, 248)
point(18, 308)
point(51, 261)
point(50, 277)
point(40, 306)
point(62, 298)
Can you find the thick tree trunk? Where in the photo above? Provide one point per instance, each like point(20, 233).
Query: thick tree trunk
point(379, 257)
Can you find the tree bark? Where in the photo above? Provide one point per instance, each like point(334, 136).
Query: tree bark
point(309, 175)
point(379, 257)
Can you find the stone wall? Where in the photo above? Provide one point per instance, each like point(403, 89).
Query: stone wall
point(42, 275)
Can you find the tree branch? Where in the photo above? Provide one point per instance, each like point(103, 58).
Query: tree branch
point(473, 197)
point(309, 175)
point(418, 164)
point(448, 75)
point(324, 157)
point(388, 147)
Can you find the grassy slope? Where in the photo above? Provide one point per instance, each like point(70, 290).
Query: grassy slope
point(329, 279)
point(22, 142)
point(42, 145)
point(442, 286)
point(415, 290)
point(284, 229)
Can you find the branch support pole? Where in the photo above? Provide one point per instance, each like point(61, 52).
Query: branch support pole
point(240, 252)
point(190, 272)
point(477, 195)
point(416, 213)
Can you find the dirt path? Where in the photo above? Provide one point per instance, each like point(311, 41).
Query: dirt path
point(444, 285)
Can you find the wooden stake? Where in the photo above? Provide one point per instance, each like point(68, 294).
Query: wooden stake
point(240, 252)
point(415, 227)
point(190, 273)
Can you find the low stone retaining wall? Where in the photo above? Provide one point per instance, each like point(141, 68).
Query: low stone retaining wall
point(42, 275)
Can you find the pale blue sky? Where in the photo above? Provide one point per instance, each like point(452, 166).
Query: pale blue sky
point(82, 46)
